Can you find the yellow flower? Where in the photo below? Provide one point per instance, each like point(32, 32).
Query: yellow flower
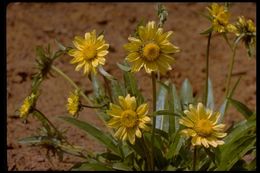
point(128, 118)
point(202, 126)
point(90, 52)
point(73, 105)
point(220, 18)
point(152, 49)
point(27, 105)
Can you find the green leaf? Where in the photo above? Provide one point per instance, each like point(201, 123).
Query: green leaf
point(176, 99)
point(186, 94)
point(165, 112)
point(235, 152)
point(123, 67)
point(207, 31)
point(121, 166)
point(116, 89)
point(63, 48)
point(242, 108)
point(95, 132)
point(31, 140)
point(238, 142)
point(91, 167)
point(105, 73)
point(110, 156)
point(132, 87)
point(175, 146)
point(162, 122)
point(210, 100)
point(224, 105)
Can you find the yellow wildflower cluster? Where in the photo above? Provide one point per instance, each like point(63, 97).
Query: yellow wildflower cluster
point(73, 105)
point(27, 105)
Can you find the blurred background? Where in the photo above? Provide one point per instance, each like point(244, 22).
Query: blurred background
point(33, 24)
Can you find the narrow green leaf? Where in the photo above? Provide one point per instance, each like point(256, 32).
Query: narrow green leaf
point(123, 67)
point(235, 152)
point(95, 132)
point(31, 140)
point(207, 31)
point(116, 89)
point(132, 87)
point(105, 73)
point(63, 48)
point(91, 167)
point(242, 108)
point(121, 167)
point(175, 146)
point(210, 100)
point(162, 122)
point(224, 106)
point(110, 156)
point(165, 112)
point(186, 94)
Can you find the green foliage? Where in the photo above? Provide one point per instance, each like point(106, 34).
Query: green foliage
point(172, 151)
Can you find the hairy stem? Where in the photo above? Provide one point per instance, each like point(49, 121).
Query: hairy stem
point(154, 118)
point(57, 70)
point(231, 66)
point(194, 158)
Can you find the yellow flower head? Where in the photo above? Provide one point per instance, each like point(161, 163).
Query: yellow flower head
point(27, 105)
point(128, 118)
point(202, 126)
point(152, 49)
point(73, 105)
point(220, 17)
point(90, 52)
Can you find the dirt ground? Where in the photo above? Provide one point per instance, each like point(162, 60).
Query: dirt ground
point(32, 24)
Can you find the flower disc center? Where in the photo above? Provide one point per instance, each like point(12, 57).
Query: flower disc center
point(89, 52)
point(203, 127)
point(151, 51)
point(129, 118)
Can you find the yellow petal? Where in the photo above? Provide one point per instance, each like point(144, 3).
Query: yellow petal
point(114, 110)
point(103, 47)
point(186, 122)
point(150, 66)
point(137, 65)
point(204, 142)
point(114, 122)
point(219, 134)
point(191, 116)
point(138, 133)
point(132, 56)
point(188, 132)
point(219, 127)
point(102, 53)
point(122, 102)
point(130, 102)
point(142, 109)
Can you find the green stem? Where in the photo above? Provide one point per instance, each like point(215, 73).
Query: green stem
point(42, 116)
point(230, 70)
point(194, 158)
point(154, 117)
point(70, 81)
point(207, 71)
point(87, 106)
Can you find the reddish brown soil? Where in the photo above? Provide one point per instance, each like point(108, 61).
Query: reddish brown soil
point(30, 24)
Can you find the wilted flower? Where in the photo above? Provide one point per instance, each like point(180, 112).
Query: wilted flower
point(128, 118)
point(73, 105)
point(90, 52)
point(152, 49)
point(246, 30)
point(202, 126)
point(220, 18)
point(27, 105)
